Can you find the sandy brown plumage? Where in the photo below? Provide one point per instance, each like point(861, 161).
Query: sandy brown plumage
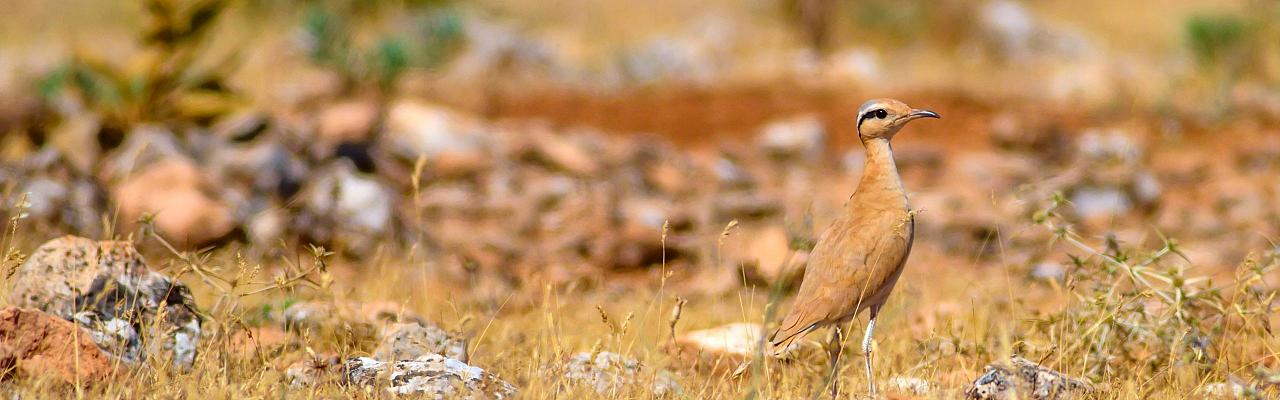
point(859, 257)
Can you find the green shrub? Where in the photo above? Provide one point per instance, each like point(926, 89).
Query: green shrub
point(1215, 38)
point(428, 42)
point(170, 78)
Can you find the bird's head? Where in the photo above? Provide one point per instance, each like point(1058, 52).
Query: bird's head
point(882, 118)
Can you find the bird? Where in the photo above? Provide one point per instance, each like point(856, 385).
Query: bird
point(858, 258)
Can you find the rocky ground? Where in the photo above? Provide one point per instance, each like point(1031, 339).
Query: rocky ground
point(631, 231)
point(517, 211)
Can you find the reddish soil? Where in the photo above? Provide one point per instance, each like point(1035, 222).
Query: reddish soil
point(701, 116)
point(42, 345)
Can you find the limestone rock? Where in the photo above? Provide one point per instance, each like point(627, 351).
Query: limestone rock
point(568, 154)
point(1048, 271)
point(1233, 388)
point(420, 130)
point(177, 195)
point(1115, 180)
point(607, 372)
point(721, 348)
point(313, 371)
point(794, 138)
point(342, 204)
point(432, 374)
point(361, 319)
point(114, 335)
point(72, 202)
point(265, 166)
point(730, 174)
point(38, 345)
point(267, 227)
point(347, 121)
point(858, 64)
point(143, 146)
point(910, 385)
point(413, 340)
point(107, 288)
point(493, 47)
point(667, 58)
point(1012, 33)
point(1022, 379)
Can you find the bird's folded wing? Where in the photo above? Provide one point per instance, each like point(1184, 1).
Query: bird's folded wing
point(830, 266)
point(843, 274)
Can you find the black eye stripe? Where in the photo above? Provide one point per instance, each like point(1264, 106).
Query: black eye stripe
point(881, 113)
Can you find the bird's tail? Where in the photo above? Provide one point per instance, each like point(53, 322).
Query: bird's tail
point(783, 339)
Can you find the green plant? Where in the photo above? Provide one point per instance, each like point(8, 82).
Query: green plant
point(1143, 313)
point(433, 36)
point(170, 79)
point(898, 21)
point(1215, 38)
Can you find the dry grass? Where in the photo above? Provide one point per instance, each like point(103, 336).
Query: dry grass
point(1134, 320)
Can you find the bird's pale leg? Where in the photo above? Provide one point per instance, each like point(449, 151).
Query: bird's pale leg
point(835, 348)
point(866, 351)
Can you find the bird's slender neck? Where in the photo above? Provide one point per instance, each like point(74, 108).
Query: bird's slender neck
point(880, 185)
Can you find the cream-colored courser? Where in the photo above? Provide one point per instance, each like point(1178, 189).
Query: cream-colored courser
point(858, 259)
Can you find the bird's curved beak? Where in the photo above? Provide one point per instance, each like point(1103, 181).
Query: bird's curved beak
point(922, 114)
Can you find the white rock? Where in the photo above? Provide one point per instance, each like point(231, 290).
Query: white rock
point(62, 273)
point(790, 138)
point(415, 129)
point(860, 64)
point(116, 336)
point(312, 371)
point(267, 226)
point(1023, 379)
point(910, 385)
point(674, 59)
point(739, 339)
point(1019, 36)
point(492, 46)
point(1146, 189)
point(1009, 24)
point(607, 372)
point(44, 197)
point(1048, 271)
point(1109, 144)
point(1223, 390)
point(1100, 201)
point(360, 203)
point(412, 340)
point(363, 370)
point(432, 374)
point(731, 174)
point(144, 145)
point(184, 343)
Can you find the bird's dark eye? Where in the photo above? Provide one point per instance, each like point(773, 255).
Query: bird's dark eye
point(872, 114)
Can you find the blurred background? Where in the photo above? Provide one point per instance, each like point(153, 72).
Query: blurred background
point(544, 140)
